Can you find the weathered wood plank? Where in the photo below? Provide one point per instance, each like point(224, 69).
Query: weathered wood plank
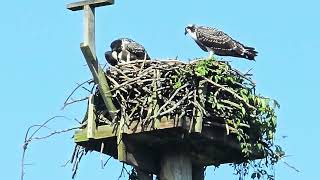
point(94, 3)
point(163, 123)
point(102, 132)
point(89, 28)
point(107, 131)
point(91, 121)
point(81, 135)
point(122, 152)
point(88, 49)
point(99, 78)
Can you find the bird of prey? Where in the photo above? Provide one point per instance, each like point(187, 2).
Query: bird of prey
point(125, 49)
point(217, 42)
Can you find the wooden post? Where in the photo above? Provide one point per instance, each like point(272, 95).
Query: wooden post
point(176, 166)
point(91, 119)
point(88, 48)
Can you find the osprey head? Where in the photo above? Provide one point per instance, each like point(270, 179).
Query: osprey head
point(116, 45)
point(189, 29)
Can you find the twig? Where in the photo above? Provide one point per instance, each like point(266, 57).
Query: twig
point(230, 91)
point(170, 99)
point(280, 158)
point(107, 161)
point(55, 132)
point(74, 90)
point(122, 170)
point(74, 101)
point(28, 139)
point(244, 76)
point(171, 109)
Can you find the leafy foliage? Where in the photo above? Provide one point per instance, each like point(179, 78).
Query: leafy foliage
point(252, 117)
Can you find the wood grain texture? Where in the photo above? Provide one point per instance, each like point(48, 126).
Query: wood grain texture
point(99, 78)
point(89, 28)
point(91, 125)
point(107, 131)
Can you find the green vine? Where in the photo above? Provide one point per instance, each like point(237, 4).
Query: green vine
point(255, 127)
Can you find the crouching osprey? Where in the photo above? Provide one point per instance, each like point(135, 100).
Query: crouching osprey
point(125, 49)
point(217, 42)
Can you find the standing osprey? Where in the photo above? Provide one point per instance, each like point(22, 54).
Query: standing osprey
point(217, 42)
point(125, 49)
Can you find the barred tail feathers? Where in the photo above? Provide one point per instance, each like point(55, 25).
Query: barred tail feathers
point(250, 53)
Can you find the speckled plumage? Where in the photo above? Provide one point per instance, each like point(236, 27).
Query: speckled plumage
point(129, 46)
point(215, 41)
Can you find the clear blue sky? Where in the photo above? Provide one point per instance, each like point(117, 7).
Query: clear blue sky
point(41, 63)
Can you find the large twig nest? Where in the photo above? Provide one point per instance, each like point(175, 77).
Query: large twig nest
point(207, 89)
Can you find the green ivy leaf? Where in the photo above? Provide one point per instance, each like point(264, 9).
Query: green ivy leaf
point(177, 85)
point(217, 78)
point(219, 106)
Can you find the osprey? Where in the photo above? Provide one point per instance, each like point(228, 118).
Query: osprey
point(125, 49)
point(217, 42)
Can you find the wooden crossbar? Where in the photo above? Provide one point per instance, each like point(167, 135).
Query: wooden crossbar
point(76, 6)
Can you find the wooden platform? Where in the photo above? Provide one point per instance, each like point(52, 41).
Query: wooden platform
point(142, 146)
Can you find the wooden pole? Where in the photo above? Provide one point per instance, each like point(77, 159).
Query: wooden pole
point(88, 48)
point(176, 166)
point(89, 28)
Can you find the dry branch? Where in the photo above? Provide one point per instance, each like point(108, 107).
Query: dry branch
point(29, 138)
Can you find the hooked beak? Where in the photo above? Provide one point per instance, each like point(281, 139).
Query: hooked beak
point(114, 54)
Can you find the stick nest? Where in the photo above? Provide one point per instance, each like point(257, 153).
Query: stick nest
point(207, 90)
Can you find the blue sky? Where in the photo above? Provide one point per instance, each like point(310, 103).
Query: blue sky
point(41, 63)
